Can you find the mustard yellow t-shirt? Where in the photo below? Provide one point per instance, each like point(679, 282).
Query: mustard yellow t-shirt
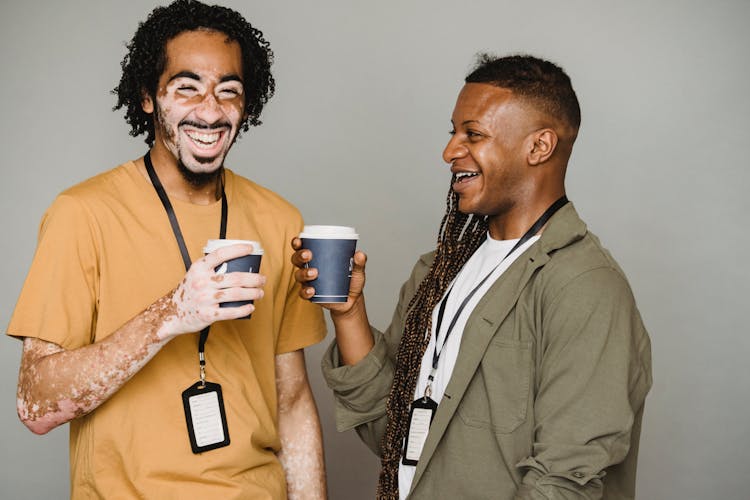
point(105, 252)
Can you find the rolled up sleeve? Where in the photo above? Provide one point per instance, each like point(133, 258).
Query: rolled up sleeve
point(360, 390)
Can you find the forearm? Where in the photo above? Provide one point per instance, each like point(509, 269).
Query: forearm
point(58, 385)
point(353, 335)
point(361, 390)
point(301, 453)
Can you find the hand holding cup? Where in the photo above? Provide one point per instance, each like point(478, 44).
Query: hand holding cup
point(249, 263)
point(198, 299)
point(330, 272)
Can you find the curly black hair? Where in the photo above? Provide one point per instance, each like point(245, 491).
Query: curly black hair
point(146, 59)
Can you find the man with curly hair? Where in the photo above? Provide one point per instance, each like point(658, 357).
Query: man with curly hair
point(120, 287)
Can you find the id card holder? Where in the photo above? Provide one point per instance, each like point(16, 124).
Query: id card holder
point(420, 417)
point(205, 416)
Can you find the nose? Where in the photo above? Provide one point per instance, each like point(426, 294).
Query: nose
point(454, 150)
point(209, 109)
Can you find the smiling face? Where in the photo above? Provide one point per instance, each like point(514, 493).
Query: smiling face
point(199, 102)
point(488, 151)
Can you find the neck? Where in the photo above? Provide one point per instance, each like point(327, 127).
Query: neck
point(514, 223)
point(178, 186)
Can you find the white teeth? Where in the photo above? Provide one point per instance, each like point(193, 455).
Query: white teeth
point(202, 139)
point(460, 176)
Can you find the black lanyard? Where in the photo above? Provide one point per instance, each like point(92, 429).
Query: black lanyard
point(540, 222)
point(181, 243)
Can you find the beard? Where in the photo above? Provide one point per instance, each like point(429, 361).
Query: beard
point(198, 179)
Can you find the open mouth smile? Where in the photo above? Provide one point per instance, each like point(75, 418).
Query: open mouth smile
point(460, 177)
point(204, 140)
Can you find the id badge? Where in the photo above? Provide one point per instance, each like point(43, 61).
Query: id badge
point(420, 417)
point(205, 416)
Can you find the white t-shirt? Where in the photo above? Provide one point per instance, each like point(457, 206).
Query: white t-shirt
point(481, 263)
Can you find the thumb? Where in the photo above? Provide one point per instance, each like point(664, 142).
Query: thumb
point(358, 273)
point(360, 260)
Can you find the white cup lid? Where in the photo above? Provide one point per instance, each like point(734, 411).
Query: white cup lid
point(329, 233)
point(212, 245)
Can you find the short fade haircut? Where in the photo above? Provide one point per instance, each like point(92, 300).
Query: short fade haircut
point(540, 82)
point(146, 59)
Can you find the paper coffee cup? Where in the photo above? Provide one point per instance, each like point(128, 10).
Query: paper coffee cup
point(245, 264)
point(332, 250)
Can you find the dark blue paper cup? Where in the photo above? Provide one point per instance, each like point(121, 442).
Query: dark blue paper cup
point(245, 264)
point(332, 250)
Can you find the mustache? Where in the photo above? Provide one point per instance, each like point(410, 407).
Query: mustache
point(204, 125)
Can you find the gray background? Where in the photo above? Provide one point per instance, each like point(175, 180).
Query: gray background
point(354, 136)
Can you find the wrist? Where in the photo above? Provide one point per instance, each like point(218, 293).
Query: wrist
point(353, 334)
point(350, 314)
point(162, 316)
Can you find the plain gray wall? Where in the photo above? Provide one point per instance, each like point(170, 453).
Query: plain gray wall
point(354, 136)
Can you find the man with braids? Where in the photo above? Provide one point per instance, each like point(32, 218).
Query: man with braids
point(109, 317)
point(518, 335)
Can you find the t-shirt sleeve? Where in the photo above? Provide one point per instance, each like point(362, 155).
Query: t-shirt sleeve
point(58, 299)
point(302, 324)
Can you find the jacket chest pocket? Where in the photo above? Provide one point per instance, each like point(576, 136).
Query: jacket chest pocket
point(498, 396)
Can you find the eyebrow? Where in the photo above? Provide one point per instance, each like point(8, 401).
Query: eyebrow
point(193, 76)
point(185, 74)
point(231, 78)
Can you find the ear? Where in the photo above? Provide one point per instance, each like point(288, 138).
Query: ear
point(544, 142)
point(147, 103)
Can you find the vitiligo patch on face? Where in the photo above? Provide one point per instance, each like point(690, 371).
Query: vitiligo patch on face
point(200, 103)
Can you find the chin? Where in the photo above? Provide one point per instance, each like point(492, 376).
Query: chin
point(202, 165)
point(201, 176)
point(468, 209)
point(465, 207)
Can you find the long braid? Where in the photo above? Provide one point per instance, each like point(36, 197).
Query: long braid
point(459, 236)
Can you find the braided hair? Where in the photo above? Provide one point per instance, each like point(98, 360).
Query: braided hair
point(146, 59)
point(458, 238)
point(543, 85)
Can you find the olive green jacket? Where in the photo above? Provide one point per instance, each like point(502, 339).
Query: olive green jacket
point(547, 393)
